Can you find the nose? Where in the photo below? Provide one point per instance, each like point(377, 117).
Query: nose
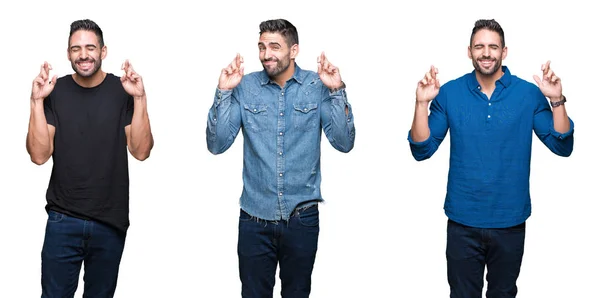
point(268, 53)
point(84, 53)
point(487, 51)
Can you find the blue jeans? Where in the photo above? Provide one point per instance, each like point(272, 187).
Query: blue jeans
point(470, 249)
point(262, 244)
point(71, 241)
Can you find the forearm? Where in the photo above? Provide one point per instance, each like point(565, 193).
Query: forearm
point(419, 131)
point(39, 144)
point(141, 141)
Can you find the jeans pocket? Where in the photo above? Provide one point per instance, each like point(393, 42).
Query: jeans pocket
point(305, 115)
point(245, 216)
point(309, 217)
point(54, 216)
point(462, 242)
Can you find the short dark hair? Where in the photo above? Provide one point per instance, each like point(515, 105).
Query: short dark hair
point(87, 25)
point(283, 27)
point(491, 25)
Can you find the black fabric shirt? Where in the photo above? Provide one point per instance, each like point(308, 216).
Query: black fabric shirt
point(90, 178)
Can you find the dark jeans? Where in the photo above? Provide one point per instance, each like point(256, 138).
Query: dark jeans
point(262, 244)
point(470, 249)
point(71, 241)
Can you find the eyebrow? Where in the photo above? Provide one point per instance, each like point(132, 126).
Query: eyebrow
point(87, 45)
point(270, 43)
point(480, 44)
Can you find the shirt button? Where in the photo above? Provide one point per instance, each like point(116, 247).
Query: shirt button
point(280, 114)
point(489, 116)
point(280, 133)
point(479, 87)
point(215, 119)
point(280, 174)
point(280, 194)
point(281, 93)
point(489, 104)
point(280, 153)
point(305, 109)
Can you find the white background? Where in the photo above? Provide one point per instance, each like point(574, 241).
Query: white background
point(383, 226)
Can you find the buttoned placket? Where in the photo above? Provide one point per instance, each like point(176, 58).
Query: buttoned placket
point(280, 154)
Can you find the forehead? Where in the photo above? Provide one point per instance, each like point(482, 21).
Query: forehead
point(83, 37)
point(485, 36)
point(272, 37)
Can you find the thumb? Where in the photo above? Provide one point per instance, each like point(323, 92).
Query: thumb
point(537, 80)
point(54, 80)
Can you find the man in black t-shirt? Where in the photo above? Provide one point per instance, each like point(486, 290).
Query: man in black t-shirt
point(86, 122)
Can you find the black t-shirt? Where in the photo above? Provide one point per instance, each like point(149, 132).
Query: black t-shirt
point(90, 177)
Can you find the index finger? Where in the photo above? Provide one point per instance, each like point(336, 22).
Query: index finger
point(45, 70)
point(321, 59)
point(546, 66)
point(238, 60)
point(433, 71)
point(126, 65)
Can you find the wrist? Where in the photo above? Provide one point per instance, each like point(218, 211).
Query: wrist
point(422, 103)
point(555, 102)
point(36, 101)
point(338, 88)
point(140, 97)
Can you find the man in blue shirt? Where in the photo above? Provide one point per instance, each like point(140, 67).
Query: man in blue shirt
point(491, 115)
point(281, 111)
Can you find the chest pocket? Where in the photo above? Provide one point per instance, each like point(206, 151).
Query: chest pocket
point(256, 119)
point(305, 116)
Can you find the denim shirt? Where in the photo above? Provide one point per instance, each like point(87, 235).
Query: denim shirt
point(282, 136)
point(490, 147)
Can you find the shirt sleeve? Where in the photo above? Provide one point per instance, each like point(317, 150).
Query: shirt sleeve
point(129, 110)
point(49, 111)
point(543, 126)
point(337, 119)
point(224, 120)
point(438, 128)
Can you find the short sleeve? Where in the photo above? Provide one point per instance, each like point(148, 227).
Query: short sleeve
point(129, 110)
point(49, 111)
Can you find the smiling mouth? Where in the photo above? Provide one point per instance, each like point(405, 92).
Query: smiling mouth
point(85, 64)
point(487, 63)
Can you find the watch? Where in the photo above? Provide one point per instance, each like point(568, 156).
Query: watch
point(555, 104)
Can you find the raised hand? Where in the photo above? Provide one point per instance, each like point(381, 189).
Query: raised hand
point(329, 74)
point(232, 75)
point(42, 84)
point(429, 87)
point(549, 84)
point(132, 81)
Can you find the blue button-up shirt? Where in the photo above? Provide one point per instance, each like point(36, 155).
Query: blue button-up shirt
point(282, 136)
point(490, 147)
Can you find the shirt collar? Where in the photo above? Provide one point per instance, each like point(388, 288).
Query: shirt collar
point(504, 80)
point(298, 75)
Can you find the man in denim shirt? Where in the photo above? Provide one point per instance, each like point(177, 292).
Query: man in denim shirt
point(281, 111)
point(491, 115)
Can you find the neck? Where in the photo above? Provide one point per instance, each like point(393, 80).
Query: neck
point(286, 75)
point(89, 82)
point(488, 82)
